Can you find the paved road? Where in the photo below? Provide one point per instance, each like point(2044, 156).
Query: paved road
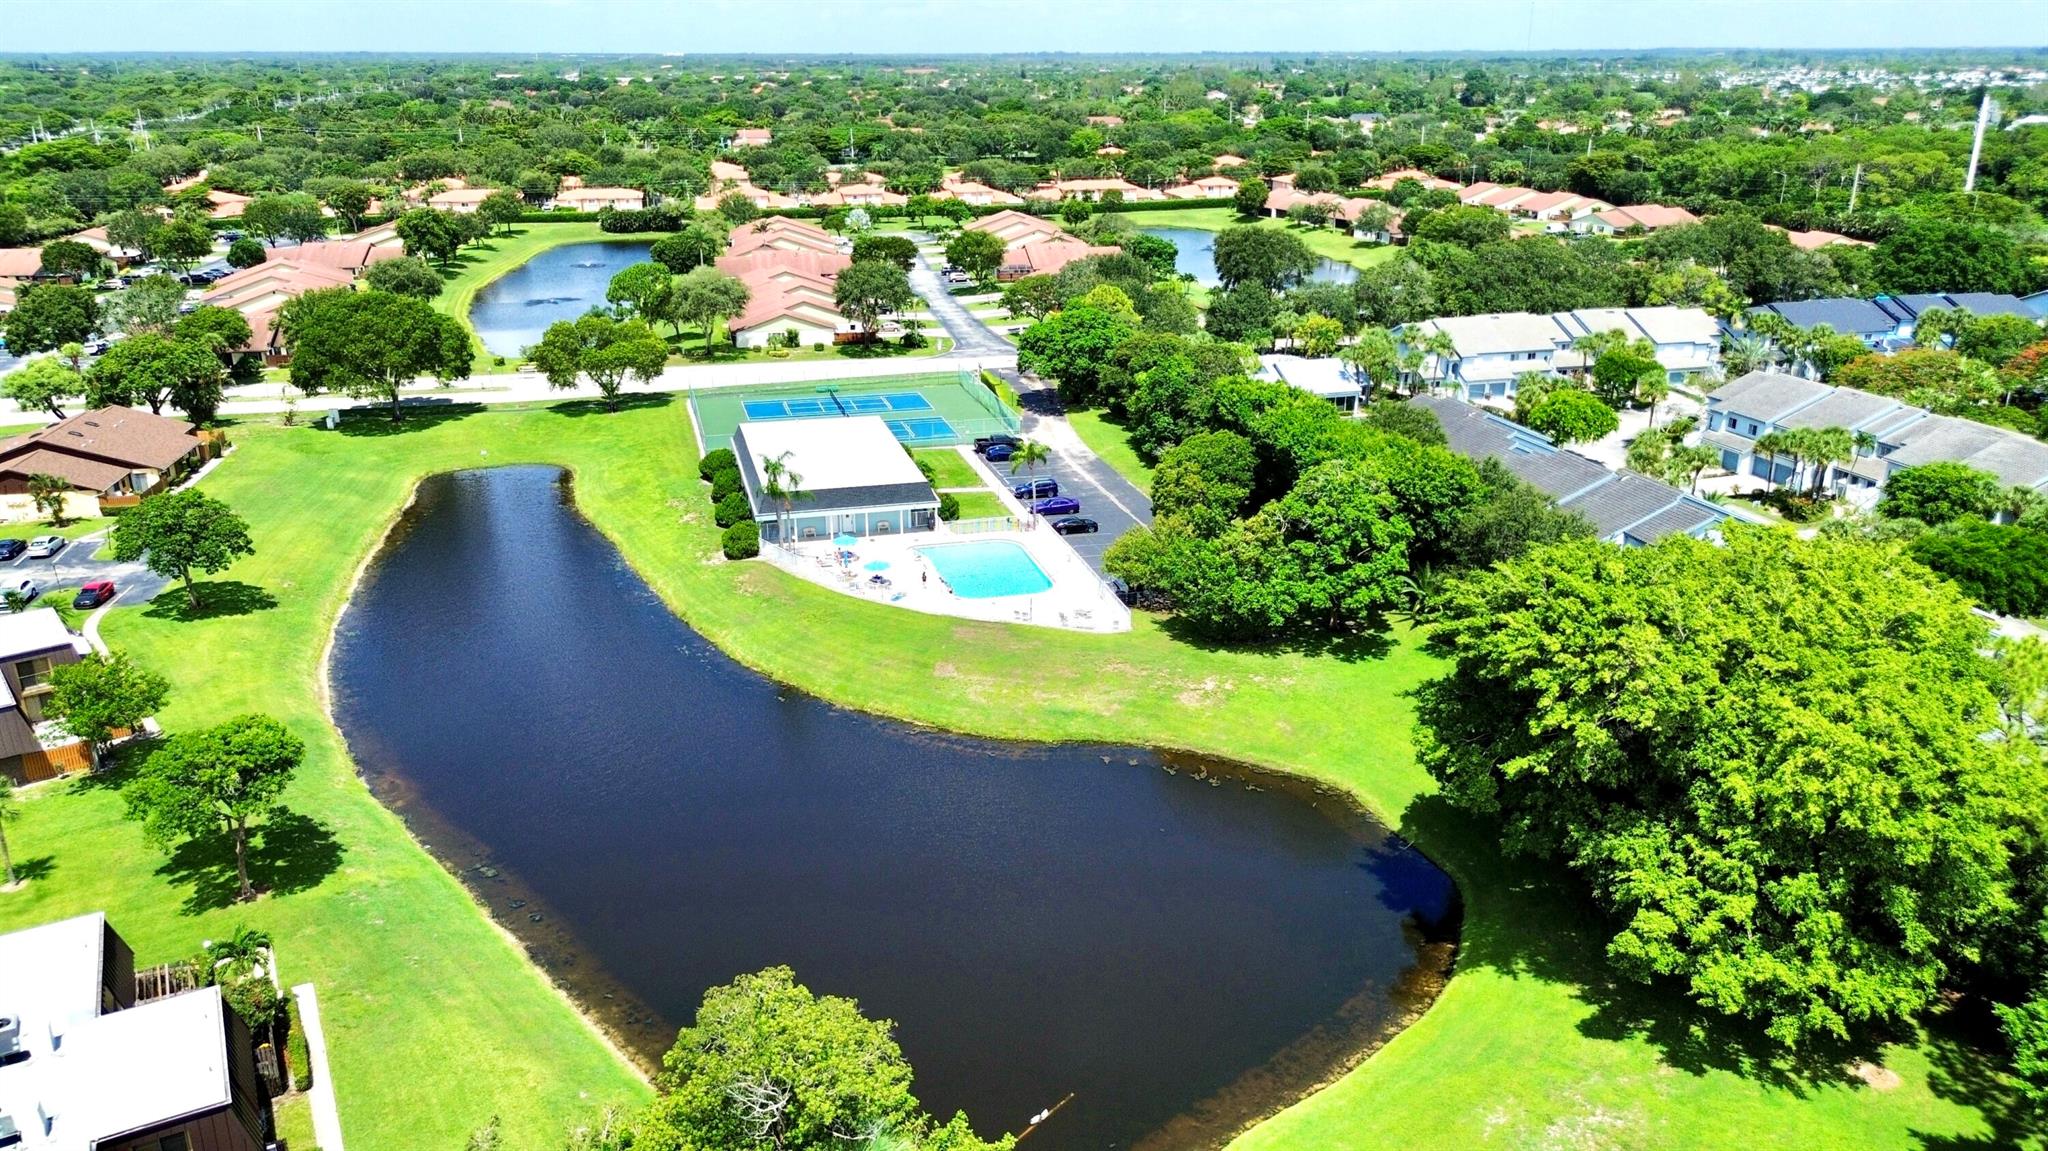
point(970, 336)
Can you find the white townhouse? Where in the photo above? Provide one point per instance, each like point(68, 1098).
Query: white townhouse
point(1491, 350)
point(1688, 340)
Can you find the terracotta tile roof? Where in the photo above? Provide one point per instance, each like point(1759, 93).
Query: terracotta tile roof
point(344, 255)
point(600, 195)
point(1046, 258)
point(1227, 160)
point(820, 264)
point(772, 302)
point(1650, 216)
point(20, 263)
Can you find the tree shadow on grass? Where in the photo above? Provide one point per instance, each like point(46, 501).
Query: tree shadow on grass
point(1351, 647)
point(218, 599)
point(420, 412)
point(627, 402)
point(119, 764)
point(1959, 1041)
point(1532, 919)
point(288, 853)
point(36, 867)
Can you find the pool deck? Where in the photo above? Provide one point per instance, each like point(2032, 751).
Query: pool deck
point(1077, 600)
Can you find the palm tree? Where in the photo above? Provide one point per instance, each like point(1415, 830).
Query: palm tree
point(783, 486)
point(1440, 347)
point(47, 493)
point(1825, 447)
point(1773, 444)
point(1028, 456)
point(1690, 462)
point(1652, 389)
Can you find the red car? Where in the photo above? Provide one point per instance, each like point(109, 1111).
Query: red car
point(94, 593)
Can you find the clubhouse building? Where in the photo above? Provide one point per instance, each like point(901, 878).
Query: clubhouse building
point(849, 476)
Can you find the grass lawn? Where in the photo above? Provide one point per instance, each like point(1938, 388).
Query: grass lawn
point(435, 1023)
point(71, 530)
point(1327, 242)
point(952, 471)
point(295, 1122)
point(980, 505)
point(1106, 438)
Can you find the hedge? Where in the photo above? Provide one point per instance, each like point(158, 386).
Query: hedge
point(715, 461)
point(949, 506)
point(724, 484)
point(732, 509)
point(296, 1053)
point(742, 541)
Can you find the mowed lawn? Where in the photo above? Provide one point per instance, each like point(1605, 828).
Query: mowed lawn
point(1328, 242)
point(436, 1024)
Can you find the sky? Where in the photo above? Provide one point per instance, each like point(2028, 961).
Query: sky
point(975, 26)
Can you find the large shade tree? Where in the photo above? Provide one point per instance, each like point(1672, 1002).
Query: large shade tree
point(605, 350)
point(370, 345)
point(179, 533)
point(216, 781)
point(1768, 761)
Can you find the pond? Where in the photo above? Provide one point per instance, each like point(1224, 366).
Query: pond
point(1195, 257)
point(512, 311)
point(1181, 946)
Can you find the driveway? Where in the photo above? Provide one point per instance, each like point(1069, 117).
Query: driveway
point(1106, 496)
point(970, 336)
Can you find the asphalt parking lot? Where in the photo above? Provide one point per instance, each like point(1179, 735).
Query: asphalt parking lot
point(59, 576)
point(1112, 505)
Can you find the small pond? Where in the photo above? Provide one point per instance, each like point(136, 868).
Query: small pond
point(1195, 257)
point(512, 311)
point(1181, 946)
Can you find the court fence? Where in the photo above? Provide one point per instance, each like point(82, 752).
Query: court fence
point(932, 425)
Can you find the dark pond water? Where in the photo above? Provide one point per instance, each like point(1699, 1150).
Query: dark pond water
point(1196, 257)
point(1181, 948)
point(512, 311)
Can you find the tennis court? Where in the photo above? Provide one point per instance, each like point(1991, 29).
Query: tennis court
point(933, 409)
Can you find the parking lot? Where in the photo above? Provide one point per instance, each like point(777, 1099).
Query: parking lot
point(1107, 500)
point(59, 576)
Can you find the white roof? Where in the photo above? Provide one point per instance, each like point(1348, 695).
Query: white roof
point(1324, 377)
point(1499, 332)
point(833, 452)
point(37, 630)
point(89, 1077)
point(1666, 324)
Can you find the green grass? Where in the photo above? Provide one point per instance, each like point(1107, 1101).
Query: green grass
point(951, 470)
point(435, 1023)
point(1326, 242)
point(71, 530)
point(980, 505)
point(295, 1122)
point(1106, 438)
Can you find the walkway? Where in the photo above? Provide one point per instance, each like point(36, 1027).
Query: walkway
point(326, 1116)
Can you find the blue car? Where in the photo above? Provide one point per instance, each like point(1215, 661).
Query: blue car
point(1057, 506)
point(997, 453)
point(1036, 489)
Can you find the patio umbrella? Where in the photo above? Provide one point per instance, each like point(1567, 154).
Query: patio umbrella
point(844, 540)
point(877, 565)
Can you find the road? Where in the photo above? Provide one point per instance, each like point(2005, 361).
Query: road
point(970, 336)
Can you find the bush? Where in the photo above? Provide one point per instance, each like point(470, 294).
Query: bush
point(725, 483)
point(668, 217)
point(2004, 567)
point(295, 1050)
point(742, 541)
point(914, 340)
point(949, 506)
point(715, 461)
point(732, 509)
point(1797, 507)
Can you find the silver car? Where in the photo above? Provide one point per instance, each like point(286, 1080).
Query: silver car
point(43, 547)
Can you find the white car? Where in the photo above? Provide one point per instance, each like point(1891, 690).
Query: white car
point(28, 588)
point(43, 547)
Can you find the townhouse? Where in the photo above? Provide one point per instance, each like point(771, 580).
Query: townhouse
point(1490, 351)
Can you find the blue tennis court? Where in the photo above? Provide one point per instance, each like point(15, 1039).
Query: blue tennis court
point(862, 404)
point(912, 431)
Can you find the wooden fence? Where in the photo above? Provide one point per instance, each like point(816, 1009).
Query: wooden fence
point(51, 763)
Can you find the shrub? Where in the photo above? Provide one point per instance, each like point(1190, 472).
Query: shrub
point(725, 483)
point(296, 1053)
point(669, 217)
point(1797, 507)
point(732, 509)
point(715, 461)
point(949, 506)
point(914, 340)
point(742, 541)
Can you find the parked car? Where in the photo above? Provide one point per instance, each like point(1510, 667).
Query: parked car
point(1057, 506)
point(231, 236)
point(1075, 526)
point(94, 593)
point(43, 547)
point(1037, 489)
point(984, 443)
point(958, 278)
point(9, 549)
point(28, 588)
point(1119, 589)
point(997, 453)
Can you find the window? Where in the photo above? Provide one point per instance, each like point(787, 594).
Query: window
point(32, 672)
point(175, 1141)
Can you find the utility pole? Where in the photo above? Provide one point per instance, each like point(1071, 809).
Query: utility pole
point(259, 135)
point(1977, 143)
point(1855, 186)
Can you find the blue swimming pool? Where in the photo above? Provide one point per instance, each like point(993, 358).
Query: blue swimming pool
point(985, 569)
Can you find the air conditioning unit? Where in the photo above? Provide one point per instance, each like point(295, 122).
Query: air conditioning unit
point(10, 1035)
point(9, 1133)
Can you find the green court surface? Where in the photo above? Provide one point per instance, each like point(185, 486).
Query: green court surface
point(933, 409)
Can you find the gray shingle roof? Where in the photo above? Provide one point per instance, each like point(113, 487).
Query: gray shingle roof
point(1767, 395)
point(1842, 313)
point(1682, 518)
point(1849, 408)
point(1626, 499)
point(1992, 304)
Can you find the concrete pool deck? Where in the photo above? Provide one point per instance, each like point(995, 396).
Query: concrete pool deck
point(1077, 600)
